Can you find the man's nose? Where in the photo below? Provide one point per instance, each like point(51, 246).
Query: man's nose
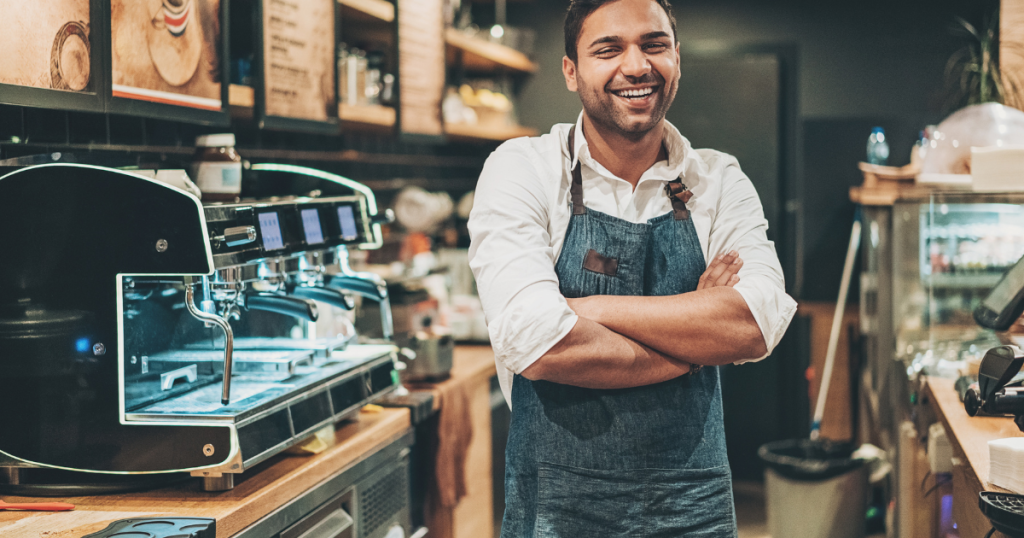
point(635, 63)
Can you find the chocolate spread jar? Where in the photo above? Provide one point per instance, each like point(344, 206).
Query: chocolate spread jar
point(217, 168)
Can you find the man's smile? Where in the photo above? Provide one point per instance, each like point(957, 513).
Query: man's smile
point(636, 96)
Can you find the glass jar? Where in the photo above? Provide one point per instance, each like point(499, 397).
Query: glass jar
point(217, 168)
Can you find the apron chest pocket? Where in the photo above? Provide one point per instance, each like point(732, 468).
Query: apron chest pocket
point(596, 262)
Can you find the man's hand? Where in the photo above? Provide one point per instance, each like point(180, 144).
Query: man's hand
point(722, 271)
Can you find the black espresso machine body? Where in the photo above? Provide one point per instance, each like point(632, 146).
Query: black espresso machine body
point(141, 332)
point(66, 233)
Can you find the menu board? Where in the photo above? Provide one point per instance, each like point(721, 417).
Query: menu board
point(49, 54)
point(298, 63)
point(45, 44)
point(167, 52)
point(421, 65)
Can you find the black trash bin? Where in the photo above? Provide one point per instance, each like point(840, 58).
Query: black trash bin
point(814, 489)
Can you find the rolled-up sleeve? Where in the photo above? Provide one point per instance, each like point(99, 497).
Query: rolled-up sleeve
point(512, 259)
point(739, 224)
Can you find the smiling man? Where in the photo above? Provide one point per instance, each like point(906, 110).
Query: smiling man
point(618, 268)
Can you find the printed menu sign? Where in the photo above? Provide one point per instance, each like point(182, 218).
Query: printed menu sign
point(166, 51)
point(298, 59)
point(45, 44)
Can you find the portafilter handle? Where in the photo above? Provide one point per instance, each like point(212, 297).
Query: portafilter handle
point(229, 338)
point(296, 307)
point(324, 295)
point(360, 286)
point(375, 290)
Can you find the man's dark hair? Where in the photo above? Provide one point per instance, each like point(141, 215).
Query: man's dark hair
point(579, 10)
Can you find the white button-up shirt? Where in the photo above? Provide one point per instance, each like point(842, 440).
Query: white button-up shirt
point(521, 212)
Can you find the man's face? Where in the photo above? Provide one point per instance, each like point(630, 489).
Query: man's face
point(627, 71)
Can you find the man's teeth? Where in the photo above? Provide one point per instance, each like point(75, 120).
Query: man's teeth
point(635, 93)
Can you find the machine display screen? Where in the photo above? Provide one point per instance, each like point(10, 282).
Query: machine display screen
point(347, 217)
point(270, 228)
point(1006, 290)
point(311, 225)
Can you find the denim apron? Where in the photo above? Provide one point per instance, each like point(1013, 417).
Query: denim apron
point(640, 462)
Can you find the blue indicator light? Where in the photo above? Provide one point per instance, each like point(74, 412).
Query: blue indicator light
point(82, 345)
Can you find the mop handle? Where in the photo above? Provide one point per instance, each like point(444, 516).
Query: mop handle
point(837, 322)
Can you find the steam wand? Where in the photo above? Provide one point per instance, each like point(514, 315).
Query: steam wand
point(229, 338)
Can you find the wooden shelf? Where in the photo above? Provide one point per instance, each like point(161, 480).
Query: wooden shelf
point(379, 10)
point(383, 117)
point(481, 55)
point(484, 133)
point(370, 115)
point(241, 96)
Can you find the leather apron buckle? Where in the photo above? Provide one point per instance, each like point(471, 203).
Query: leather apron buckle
point(679, 195)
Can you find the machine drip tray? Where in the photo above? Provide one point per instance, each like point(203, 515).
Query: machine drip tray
point(323, 348)
point(253, 394)
point(265, 364)
point(270, 415)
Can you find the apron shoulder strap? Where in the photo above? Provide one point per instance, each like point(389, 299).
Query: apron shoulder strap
point(576, 190)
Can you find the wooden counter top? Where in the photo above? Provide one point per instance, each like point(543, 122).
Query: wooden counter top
point(887, 194)
point(968, 435)
point(473, 362)
point(257, 492)
point(469, 364)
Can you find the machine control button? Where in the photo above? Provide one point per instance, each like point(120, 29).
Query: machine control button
point(387, 217)
point(239, 235)
point(161, 245)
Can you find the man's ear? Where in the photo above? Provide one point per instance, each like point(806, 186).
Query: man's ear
point(569, 70)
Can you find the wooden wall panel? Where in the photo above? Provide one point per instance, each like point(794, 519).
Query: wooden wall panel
point(1011, 51)
point(421, 66)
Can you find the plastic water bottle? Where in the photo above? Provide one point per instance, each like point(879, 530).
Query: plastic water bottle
point(878, 149)
point(920, 151)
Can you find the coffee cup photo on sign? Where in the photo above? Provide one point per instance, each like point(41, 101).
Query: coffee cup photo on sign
point(166, 51)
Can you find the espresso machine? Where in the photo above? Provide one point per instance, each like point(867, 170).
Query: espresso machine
point(143, 333)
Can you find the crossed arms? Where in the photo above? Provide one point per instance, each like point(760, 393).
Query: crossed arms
point(626, 341)
point(607, 341)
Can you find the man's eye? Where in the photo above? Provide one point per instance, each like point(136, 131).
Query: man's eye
point(655, 47)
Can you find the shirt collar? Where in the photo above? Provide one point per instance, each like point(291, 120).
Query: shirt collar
point(683, 161)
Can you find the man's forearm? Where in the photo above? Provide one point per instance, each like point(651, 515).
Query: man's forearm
point(592, 356)
point(711, 326)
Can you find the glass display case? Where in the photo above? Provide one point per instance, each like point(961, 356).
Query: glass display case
point(927, 259)
point(950, 251)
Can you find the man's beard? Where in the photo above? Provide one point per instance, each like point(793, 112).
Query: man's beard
point(602, 109)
